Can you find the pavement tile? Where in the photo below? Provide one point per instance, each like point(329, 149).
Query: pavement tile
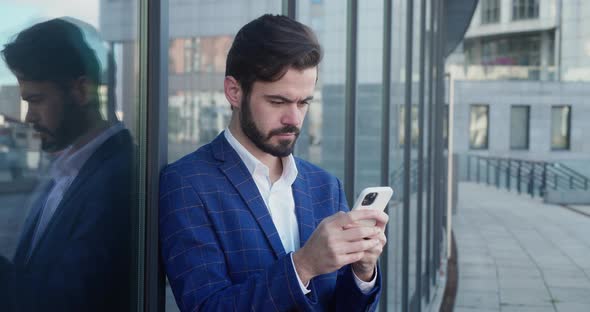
point(574, 295)
point(479, 284)
point(506, 272)
point(568, 282)
point(525, 297)
point(478, 299)
point(469, 309)
point(522, 284)
point(524, 308)
point(572, 307)
point(563, 273)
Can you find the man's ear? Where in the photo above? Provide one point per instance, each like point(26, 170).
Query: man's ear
point(81, 90)
point(233, 92)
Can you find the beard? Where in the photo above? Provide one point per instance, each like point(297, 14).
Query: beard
point(70, 127)
point(283, 149)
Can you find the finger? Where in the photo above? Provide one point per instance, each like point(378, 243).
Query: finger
point(351, 258)
point(342, 218)
point(368, 214)
point(362, 245)
point(382, 219)
point(358, 233)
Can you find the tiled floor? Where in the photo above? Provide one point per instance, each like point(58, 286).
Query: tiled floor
point(518, 254)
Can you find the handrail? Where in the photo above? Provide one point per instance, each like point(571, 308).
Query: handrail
point(537, 176)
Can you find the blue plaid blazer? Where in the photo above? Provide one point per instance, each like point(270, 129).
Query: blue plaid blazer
point(220, 247)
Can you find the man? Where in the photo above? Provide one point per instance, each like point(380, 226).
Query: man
point(245, 226)
point(73, 254)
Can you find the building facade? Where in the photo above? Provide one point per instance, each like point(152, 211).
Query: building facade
point(521, 81)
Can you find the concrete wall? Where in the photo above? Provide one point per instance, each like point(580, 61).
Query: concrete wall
point(541, 96)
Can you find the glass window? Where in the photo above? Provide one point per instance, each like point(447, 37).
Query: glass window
point(369, 87)
point(522, 50)
point(525, 9)
point(415, 130)
point(560, 127)
point(69, 131)
point(197, 108)
point(490, 11)
point(519, 126)
point(479, 126)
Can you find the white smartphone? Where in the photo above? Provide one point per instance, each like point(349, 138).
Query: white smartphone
point(373, 198)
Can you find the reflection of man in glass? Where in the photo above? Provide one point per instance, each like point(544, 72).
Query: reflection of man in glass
point(244, 225)
point(73, 254)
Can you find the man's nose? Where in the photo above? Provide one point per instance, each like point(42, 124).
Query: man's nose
point(30, 117)
point(292, 115)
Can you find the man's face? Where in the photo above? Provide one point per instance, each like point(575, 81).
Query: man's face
point(273, 114)
point(52, 112)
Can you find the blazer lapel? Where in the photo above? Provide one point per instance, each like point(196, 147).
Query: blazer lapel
point(34, 207)
point(237, 173)
point(303, 207)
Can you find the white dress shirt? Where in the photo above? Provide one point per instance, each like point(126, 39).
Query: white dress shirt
point(64, 170)
point(279, 200)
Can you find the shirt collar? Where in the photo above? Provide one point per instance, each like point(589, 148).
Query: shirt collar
point(69, 164)
point(252, 163)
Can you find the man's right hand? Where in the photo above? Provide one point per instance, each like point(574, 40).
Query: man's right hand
point(331, 246)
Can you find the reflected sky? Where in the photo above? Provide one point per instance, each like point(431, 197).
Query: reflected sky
point(15, 17)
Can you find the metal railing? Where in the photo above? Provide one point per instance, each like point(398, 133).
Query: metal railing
point(532, 177)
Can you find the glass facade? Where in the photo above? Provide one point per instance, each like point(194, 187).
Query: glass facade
point(71, 137)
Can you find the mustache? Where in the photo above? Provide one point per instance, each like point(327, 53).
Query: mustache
point(42, 129)
point(286, 129)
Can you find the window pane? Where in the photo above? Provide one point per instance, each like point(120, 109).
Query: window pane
point(560, 127)
point(201, 34)
point(519, 127)
point(478, 127)
point(68, 127)
point(326, 116)
point(490, 10)
point(369, 103)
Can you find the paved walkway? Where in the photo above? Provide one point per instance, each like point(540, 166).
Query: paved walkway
point(518, 254)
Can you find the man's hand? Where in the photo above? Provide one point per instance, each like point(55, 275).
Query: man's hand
point(339, 240)
point(365, 267)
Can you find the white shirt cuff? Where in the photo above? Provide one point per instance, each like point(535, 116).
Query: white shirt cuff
point(365, 287)
point(303, 287)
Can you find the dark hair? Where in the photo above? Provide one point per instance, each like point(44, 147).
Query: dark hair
point(267, 47)
point(54, 51)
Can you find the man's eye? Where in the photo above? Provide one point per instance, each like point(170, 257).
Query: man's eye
point(276, 102)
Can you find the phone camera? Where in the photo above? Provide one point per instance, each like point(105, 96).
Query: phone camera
point(369, 199)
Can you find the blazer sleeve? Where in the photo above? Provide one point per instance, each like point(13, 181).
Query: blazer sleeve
point(195, 261)
point(347, 294)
